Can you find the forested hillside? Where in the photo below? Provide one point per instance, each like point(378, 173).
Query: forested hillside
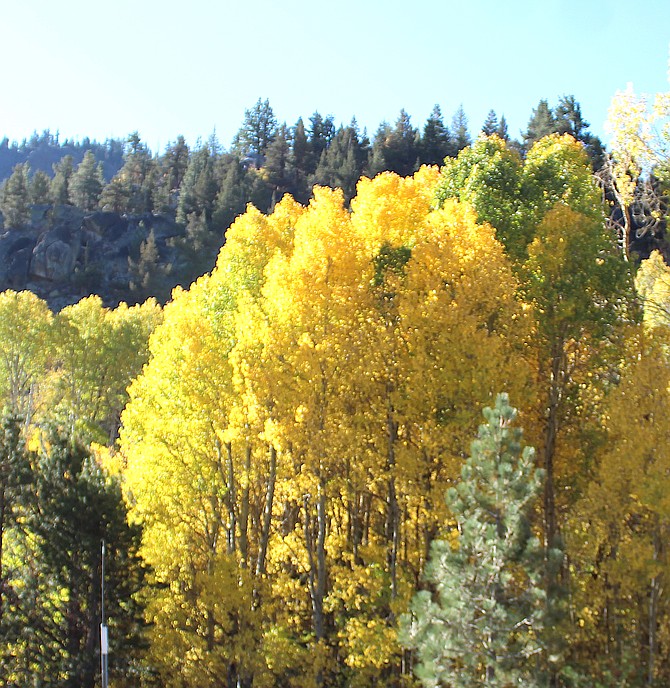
point(288, 460)
point(120, 221)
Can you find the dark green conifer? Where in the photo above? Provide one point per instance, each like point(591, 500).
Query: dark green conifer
point(480, 621)
point(435, 142)
point(15, 198)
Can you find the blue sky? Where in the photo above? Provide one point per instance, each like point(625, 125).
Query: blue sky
point(167, 67)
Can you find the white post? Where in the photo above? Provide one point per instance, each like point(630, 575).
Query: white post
point(104, 643)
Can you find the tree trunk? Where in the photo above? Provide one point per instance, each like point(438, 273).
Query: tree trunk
point(244, 510)
point(267, 513)
point(392, 509)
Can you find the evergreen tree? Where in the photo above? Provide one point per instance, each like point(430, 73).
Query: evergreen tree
point(172, 167)
point(480, 622)
point(258, 130)
point(146, 273)
point(231, 199)
point(503, 132)
point(138, 176)
point(321, 133)
point(377, 158)
point(15, 201)
point(277, 163)
point(14, 477)
point(459, 131)
point(60, 183)
point(541, 124)
point(568, 118)
point(115, 196)
point(39, 188)
point(401, 147)
point(341, 163)
point(435, 140)
point(199, 187)
point(299, 160)
point(54, 637)
point(86, 183)
point(491, 124)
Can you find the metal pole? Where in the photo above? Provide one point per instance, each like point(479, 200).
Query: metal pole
point(104, 645)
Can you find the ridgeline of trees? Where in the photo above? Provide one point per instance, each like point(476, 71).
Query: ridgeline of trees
point(303, 504)
point(209, 184)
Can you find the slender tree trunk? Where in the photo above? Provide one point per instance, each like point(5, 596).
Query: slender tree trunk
point(2, 539)
point(244, 510)
point(654, 597)
point(392, 509)
point(232, 498)
point(551, 432)
point(316, 553)
point(267, 513)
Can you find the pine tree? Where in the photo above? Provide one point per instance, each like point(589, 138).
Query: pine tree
point(60, 183)
point(435, 140)
point(542, 123)
point(490, 125)
point(480, 622)
point(73, 505)
point(15, 201)
point(459, 131)
point(257, 131)
point(401, 150)
point(86, 183)
point(14, 477)
point(277, 163)
point(503, 132)
point(39, 188)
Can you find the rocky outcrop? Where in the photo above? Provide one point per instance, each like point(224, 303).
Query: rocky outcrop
point(65, 254)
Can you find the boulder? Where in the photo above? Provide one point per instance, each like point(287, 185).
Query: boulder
point(56, 253)
point(16, 250)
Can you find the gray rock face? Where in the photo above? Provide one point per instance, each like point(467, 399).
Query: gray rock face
point(16, 249)
point(56, 253)
point(65, 254)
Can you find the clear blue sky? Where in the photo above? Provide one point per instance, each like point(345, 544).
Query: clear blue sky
point(167, 67)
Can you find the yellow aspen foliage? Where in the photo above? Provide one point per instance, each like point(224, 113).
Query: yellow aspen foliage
point(652, 283)
point(303, 411)
point(178, 480)
point(25, 345)
point(99, 351)
point(621, 525)
point(580, 291)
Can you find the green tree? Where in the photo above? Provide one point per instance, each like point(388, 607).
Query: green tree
point(401, 149)
point(199, 187)
point(480, 622)
point(488, 176)
point(341, 163)
point(460, 135)
point(60, 183)
point(170, 173)
point(377, 158)
point(15, 198)
point(502, 132)
point(14, 476)
point(276, 165)
point(39, 188)
point(86, 183)
point(258, 130)
point(25, 343)
point(541, 123)
point(53, 639)
point(435, 141)
point(321, 132)
point(300, 159)
point(491, 124)
point(138, 174)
